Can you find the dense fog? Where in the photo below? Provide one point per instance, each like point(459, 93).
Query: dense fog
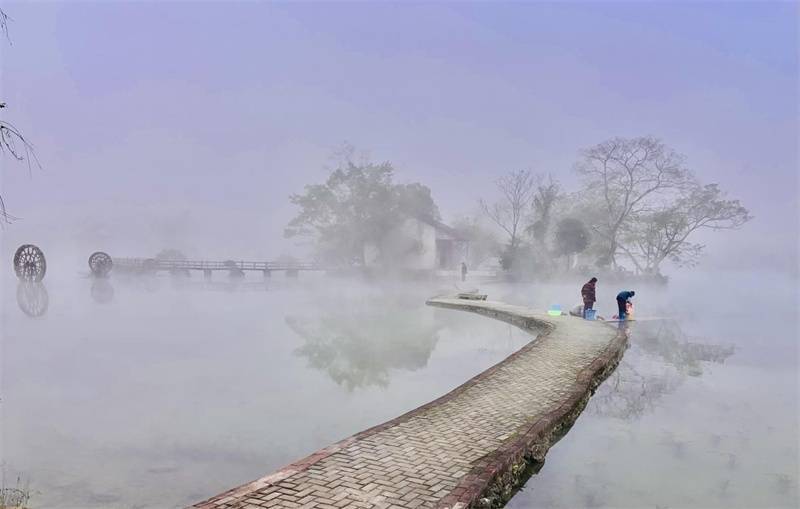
point(377, 148)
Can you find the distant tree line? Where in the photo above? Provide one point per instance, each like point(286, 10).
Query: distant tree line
point(638, 206)
point(638, 203)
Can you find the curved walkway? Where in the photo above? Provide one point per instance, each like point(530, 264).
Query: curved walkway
point(468, 448)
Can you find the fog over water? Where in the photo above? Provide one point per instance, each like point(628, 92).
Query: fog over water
point(163, 395)
point(702, 411)
point(187, 126)
point(160, 391)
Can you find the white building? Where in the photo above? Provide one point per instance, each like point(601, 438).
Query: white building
point(418, 244)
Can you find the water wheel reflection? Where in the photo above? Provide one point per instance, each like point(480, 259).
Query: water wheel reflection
point(32, 298)
point(102, 291)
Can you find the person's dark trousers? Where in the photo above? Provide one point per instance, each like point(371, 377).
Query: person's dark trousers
point(621, 304)
point(587, 305)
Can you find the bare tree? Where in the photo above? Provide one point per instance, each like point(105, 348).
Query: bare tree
point(664, 234)
point(517, 190)
point(625, 175)
point(12, 141)
point(482, 242)
point(4, 19)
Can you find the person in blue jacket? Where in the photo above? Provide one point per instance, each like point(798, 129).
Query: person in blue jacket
point(622, 301)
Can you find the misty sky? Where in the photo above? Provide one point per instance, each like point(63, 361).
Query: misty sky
point(189, 124)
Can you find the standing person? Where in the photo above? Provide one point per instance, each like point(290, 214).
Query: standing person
point(588, 294)
point(463, 271)
point(622, 302)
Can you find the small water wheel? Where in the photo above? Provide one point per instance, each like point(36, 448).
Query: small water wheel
point(100, 264)
point(29, 263)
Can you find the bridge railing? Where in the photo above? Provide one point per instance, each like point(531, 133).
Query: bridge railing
point(156, 264)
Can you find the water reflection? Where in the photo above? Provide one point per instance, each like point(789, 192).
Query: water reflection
point(32, 298)
point(636, 386)
point(102, 290)
point(151, 283)
point(666, 340)
point(672, 415)
point(183, 281)
point(360, 348)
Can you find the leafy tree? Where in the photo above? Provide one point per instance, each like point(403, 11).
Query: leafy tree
point(548, 192)
point(356, 205)
point(170, 254)
point(416, 199)
point(571, 237)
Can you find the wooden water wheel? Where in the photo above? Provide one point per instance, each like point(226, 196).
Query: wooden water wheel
point(29, 263)
point(100, 264)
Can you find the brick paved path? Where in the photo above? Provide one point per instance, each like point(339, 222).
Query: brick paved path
point(465, 449)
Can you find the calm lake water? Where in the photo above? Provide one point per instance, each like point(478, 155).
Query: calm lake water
point(702, 412)
point(150, 393)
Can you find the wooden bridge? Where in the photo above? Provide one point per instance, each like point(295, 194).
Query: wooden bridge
point(101, 264)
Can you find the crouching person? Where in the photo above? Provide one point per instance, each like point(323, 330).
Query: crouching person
point(623, 299)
